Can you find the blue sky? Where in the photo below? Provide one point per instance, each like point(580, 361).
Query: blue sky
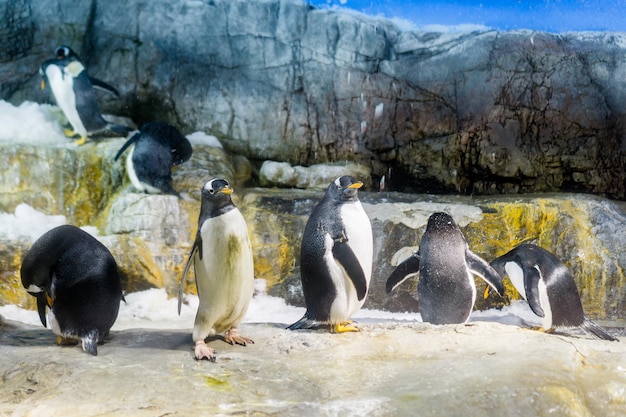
point(545, 15)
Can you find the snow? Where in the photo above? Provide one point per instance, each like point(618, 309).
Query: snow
point(26, 223)
point(32, 123)
point(201, 138)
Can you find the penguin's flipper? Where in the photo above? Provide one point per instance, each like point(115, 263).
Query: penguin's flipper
point(101, 85)
point(183, 279)
point(592, 328)
point(129, 142)
point(532, 276)
point(478, 266)
point(118, 129)
point(41, 308)
point(342, 252)
point(408, 268)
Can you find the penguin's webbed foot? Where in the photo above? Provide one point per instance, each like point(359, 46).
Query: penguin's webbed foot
point(202, 351)
point(81, 141)
point(344, 327)
point(66, 341)
point(69, 133)
point(233, 337)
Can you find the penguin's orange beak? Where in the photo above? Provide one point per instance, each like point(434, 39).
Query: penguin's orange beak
point(226, 190)
point(356, 185)
point(43, 84)
point(486, 294)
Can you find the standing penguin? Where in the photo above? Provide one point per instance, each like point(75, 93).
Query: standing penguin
point(336, 258)
point(224, 269)
point(158, 147)
point(73, 90)
point(548, 286)
point(446, 266)
point(75, 278)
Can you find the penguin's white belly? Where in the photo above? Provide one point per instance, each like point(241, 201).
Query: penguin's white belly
point(224, 275)
point(358, 230)
point(132, 175)
point(62, 86)
point(516, 275)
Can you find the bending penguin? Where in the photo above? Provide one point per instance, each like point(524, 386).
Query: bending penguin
point(222, 259)
point(157, 148)
point(548, 286)
point(73, 90)
point(76, 282)
point(446, 289)
point(336, 258)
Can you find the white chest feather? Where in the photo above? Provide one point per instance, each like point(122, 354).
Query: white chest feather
point(516, 275)
point(225, 274)
point(62, 86)
point(358, 230)
point(132, 175)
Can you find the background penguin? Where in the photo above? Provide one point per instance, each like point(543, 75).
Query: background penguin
point(73, 91)
point(158, 147)
point(336, 258)
point(446, 266)
point(224, 269)
point(548, 286)
point(75, 278)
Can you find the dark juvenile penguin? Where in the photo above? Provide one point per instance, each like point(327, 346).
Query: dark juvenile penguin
point(73, 90)
point(446, 289)
point(158, 148)
point(75, 279)
point(548, 286)
point(336, 258)
point(222, 259)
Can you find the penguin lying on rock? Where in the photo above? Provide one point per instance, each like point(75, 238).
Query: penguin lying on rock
point(548, 286)
point(446, 289)
point(336, 258)
point(73, 91)
point(75, 279)
point(158, 148)
point(222, 259)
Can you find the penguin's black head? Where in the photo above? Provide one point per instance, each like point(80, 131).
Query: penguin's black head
point(441, 221)
point(216, 197)
point(344, 189)
point(63, 52)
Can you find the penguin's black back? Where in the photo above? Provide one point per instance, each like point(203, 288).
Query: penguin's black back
point(444, 292)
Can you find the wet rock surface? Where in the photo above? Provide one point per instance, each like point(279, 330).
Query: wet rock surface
point(479, 112)
point(389, 368)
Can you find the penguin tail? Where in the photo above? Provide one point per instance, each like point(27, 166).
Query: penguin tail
point(90, 342)
point(593, 329)
point(304, 323)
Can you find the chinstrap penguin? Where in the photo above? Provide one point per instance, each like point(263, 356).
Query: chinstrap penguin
point(446, 289)
point(336, 258)
point(548, 286)
point(73, 90)
point(75, 280)
point(157, 148)
point(222, 259)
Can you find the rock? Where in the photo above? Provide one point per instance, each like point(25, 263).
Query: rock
point(482, 112)
point(282, 174)
point(390, 368)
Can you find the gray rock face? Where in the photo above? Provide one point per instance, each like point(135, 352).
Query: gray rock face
point(477, 112)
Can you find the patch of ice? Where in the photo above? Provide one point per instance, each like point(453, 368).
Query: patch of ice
point(201, 138)
point(27, 223)
point(32, 123)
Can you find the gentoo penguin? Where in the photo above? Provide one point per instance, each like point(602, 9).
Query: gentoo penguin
point(75, 278)
point(73, 90)
point(336, 258)
point(446, 267)
point(158, 147)
point(548, 286)
point(224, 269)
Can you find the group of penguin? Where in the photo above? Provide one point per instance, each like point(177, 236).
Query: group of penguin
point(77, 285)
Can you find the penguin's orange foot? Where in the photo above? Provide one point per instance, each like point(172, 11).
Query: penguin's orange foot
point(202, 351)
point(69, 133)
point(233, 337)
point(65, 341)
point(81, 141)
point(344, 327)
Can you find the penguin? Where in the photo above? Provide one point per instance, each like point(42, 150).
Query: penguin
point(548, 286)
point(73, 90)
point(222, 259)
point(158, 147)
point(336, 258)
point(76, 282)
point(446, 289)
